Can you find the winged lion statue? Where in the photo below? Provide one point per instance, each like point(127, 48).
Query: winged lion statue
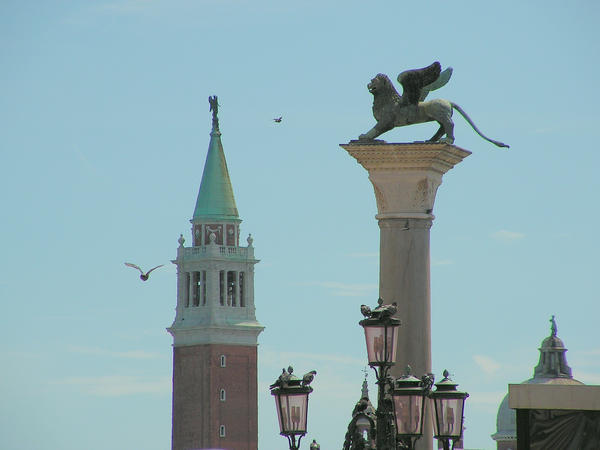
point(391, 109)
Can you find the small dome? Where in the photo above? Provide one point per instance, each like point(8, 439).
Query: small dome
point(552, 368)
point(552, 342)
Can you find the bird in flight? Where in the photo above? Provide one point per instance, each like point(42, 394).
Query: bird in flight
point(143, 276)
point(278, 119)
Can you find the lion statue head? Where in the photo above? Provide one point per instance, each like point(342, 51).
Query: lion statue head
point(381, 85)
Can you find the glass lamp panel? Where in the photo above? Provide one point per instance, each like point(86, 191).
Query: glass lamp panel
point(392, 340)
point(408, 414)
point(381, 343)
point(291, 412)
point(363, 424)
point(449, 417)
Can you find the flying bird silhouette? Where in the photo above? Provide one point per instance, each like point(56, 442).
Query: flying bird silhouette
point(143, 276)
point(278, 119)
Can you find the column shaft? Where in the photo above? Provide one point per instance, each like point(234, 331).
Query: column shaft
point(404, 278)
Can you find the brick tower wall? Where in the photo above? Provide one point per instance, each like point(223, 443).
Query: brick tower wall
point(199, 412)
point(507, 445)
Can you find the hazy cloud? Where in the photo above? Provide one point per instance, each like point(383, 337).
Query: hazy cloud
point(344, 289)
point(507, 236)
point(485, 401)
point(593, 352)
point(441, 262)
point(364, 255)
point(587, 377)
point(117, 385)
point(486, 364)
point(132, 354)
point(127, 6)
point(154, 7)
point(584, 358)
point(274, 358)
point(544, 130)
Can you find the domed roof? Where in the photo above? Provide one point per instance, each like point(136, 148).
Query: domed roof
point(552, 368)
point(553, 342)
point(506, 422)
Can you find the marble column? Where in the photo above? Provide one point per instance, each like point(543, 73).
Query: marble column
point(405, 178)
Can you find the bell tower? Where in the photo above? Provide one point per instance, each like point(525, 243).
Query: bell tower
point(215, 330)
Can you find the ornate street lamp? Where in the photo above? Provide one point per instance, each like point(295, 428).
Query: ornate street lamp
point(291, 400)
point(410, 395)
point(381, 334)
point(449, 405)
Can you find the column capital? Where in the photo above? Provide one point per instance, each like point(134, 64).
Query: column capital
point(405, 176)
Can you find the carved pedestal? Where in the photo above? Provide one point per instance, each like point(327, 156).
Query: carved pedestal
point(405, 178)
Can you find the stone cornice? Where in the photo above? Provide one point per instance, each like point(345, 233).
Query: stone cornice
point(379, 155)
point(241, 334)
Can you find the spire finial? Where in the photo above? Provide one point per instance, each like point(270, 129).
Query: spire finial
point(214, 107)
point(553, 328)
point(364, 393)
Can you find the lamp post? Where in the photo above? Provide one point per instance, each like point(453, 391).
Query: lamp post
point(449, 404)
point(401, 403)
point(410, 395)
point(381, 332)
point(291, 400)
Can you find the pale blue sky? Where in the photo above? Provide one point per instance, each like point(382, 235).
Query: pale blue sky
point(105, 126)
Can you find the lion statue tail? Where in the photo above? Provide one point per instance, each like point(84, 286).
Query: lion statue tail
point(468, 119)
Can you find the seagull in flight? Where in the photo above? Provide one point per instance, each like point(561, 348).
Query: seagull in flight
point(278, 119)
point(143, 276)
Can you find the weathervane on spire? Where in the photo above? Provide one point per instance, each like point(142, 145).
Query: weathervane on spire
point(214, 107)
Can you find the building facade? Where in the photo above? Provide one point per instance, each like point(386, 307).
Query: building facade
point(215, 331)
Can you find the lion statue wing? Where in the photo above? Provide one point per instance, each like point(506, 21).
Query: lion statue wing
point(440, 82)
point(417, 83)
point(413, 81)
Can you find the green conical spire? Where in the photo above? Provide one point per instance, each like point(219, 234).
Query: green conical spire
point(215, 197)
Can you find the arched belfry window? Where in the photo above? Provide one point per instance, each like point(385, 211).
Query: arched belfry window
point(223, 361)
point(222, 287)
point(222, 395)
point(242, 285)
point(231, 288)
point(222, 431)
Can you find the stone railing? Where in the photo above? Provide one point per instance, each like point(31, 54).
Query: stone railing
point(219, 251)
